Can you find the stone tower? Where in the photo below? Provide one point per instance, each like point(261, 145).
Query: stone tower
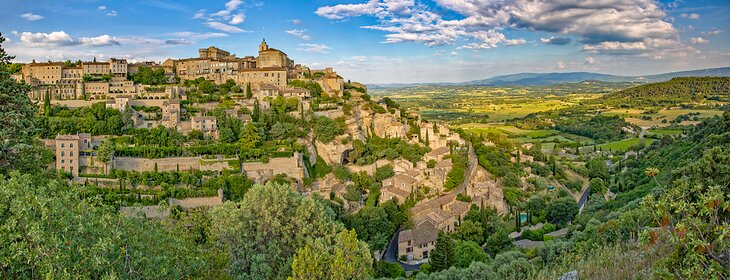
point(263, 46)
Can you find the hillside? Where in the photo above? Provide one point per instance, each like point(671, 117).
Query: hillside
point(672, 92)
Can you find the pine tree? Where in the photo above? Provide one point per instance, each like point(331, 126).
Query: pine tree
point(249, 93)
point(442, 256)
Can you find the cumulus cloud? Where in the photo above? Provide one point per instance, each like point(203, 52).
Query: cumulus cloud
point(617, 23)
point(31, 17)
point(698, 40)
point(61, 38)
point(223, 27)
point(299, 33)
point(112, 13)
point(590, 60)
point(101, 8)
point(314, 48)
point(556, 41)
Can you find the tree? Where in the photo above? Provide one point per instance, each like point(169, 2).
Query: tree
point(597, 168)
point(249, 137)
point(499, 241)
point(263, 231)
point(511, 180)
point(477, 270)
point(249, 93)
point(348, 258)
point(327, 129)
point(372, 226)
point(561, 210)
point(256, 114)
point(442, 256)
point(384, 172)
point(52, 228)
point(470, 231)
point(105, 153)
point(597, 186)
point(19, 149)
point(388, 270)
point(466, 252)
point(206, 86)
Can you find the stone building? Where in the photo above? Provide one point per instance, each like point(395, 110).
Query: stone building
point(417, 243)
point(207, 124)
point(69, 149)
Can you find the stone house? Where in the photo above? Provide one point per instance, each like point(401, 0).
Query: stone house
point(417, 243)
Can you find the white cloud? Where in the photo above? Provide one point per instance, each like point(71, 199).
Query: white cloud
point(233, 4)
point(197, 35)
point(690, 16)
point(314, 48)
point(301, 34)
point(232, 14)
point(237, 18)
point(223, 27)
point(31, 17)
point(200, 14)
point(103, 40)
point(713, 32)
point(561, 65)
point(112, 13)
point(101, 8)
point(698, 40)
point(590, 60)
point(483, 22)
point(61, 38)
point(296, 21)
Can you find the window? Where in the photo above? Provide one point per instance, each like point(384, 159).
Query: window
point(71, 153)
point(63, 161)
point(62, 153)
point(71, 161)
point(425, 254)
point(62, 145)
point(71, 145)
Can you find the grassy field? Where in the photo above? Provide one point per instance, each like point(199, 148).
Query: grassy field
point(633, 116)
point(665, 131)
point(624, 145)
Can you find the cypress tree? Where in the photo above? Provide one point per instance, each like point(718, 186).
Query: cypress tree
point(249, 93)
point(256, 111)
point(442, 256)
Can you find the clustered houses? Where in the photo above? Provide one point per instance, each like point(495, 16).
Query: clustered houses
point(268, 74)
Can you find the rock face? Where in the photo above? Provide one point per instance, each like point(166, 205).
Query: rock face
point(331, 152)
point(484, 190)
point(573, 275)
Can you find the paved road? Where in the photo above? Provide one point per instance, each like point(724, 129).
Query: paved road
point(469, 171)
point(583, 199)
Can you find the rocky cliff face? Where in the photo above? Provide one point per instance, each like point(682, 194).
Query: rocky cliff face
point(484, 190)
point(332, 152)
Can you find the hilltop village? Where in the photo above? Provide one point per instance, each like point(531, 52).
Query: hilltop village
point(182, 129)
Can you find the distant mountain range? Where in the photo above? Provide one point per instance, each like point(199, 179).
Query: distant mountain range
point(541, 79)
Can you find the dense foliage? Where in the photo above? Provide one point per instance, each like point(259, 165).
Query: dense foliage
point(670, 93)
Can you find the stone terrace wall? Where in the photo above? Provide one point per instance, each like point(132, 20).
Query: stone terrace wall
point(260, 172)
point(163, 164)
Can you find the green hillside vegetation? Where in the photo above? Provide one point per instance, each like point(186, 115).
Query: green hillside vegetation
point(670, 93)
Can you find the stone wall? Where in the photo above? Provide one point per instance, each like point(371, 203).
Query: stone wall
point(261, 172)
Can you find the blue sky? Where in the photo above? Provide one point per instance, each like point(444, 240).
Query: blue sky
point(387, 41)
